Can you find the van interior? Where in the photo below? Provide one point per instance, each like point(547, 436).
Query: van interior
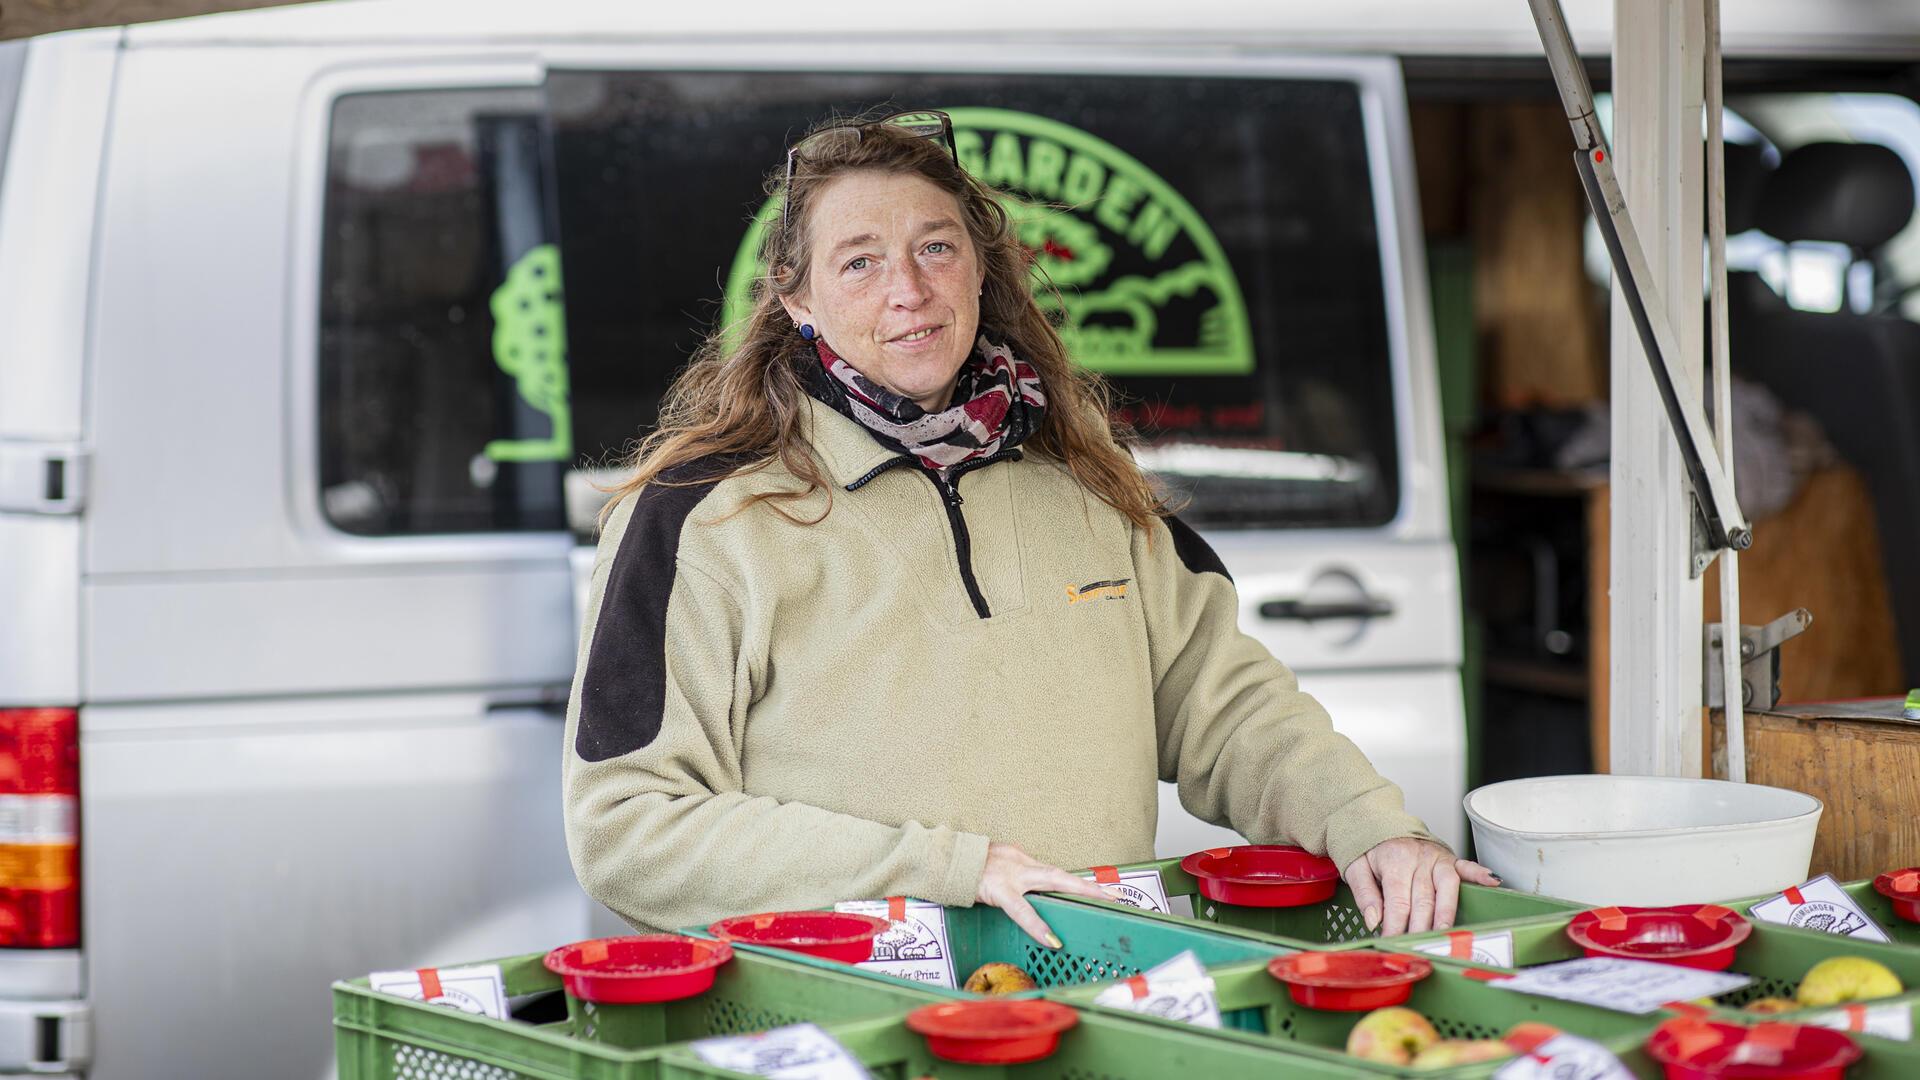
point(1823, 257)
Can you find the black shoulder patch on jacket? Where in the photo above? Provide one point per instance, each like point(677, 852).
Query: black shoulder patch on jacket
point(1197, 554)
point(623, 695)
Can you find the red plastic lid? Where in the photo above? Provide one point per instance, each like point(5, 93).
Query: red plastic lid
point(1263, 875)
point(835, 935)
point(1693, 1049)
point(992, 1031)
point(1701, 936)
point(630, 970)
point(1903, 888)
point(1349, 981)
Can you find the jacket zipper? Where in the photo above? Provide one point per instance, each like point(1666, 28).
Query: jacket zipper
point(956, 520)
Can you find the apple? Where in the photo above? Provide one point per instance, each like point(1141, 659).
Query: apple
point(1770, 1005)
point(1840, 979)
point(1461, 1052)
point(1391, 1036)
point(998, 978)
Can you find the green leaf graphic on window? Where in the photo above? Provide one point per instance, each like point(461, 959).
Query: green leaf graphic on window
point(530, 344)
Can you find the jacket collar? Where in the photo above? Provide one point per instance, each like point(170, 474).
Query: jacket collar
point(848, 450)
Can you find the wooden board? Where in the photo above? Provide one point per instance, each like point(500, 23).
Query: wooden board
point(1540, 339)
point(1822, 553)
point(1867, 772)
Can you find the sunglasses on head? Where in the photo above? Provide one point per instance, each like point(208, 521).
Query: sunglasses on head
point(926, 123)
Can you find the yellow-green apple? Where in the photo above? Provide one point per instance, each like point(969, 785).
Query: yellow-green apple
point(998, 978)
point(1391, 1036)
point(1840, 979)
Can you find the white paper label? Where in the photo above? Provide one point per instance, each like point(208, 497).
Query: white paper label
point(1488, 950)
point(915, 946)
point(1886, 1021)
point(1179, 989)
point(477, 989)
point(1142, 889)
point(1820, 904)
point(1565, 1057)
point(1633, 986)
point(800, 1052)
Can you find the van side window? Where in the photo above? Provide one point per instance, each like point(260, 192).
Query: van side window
point(444, 404)
point(1210, 243)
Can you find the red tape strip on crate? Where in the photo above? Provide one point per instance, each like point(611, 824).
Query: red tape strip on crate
point(1611, 918)
point(1460, 944)
point(1137, 984)
point(1794, 895)
point(896, 908)
point(1712, 914)
point(1692, 1036)
point(1106, 875)
point(430, 989)
point(1530, 1037)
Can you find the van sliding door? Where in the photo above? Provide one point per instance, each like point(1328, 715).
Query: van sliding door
point(1233, 243)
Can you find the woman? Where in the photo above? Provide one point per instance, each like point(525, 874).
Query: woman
point(887, 609)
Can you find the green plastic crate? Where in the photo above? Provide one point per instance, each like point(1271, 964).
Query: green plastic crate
point(1098, 1048)
point(382, 1037)
point(1259, 1011)
point(1099, 942)
point(1885, 1060)
point(1337, 921)
point(1877, 907)
point(1775, 956)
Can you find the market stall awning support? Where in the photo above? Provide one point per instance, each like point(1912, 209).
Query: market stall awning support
point(1658, 556)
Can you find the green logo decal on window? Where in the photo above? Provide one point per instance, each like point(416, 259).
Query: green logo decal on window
point(530, 344)
point(1144, 286)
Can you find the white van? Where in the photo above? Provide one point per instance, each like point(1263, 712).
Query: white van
point(284, 553)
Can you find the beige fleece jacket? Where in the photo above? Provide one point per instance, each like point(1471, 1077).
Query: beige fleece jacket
point(769, 715)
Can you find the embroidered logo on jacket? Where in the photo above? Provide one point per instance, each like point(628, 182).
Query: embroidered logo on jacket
point(1099, 590)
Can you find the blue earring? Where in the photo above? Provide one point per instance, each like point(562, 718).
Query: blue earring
point(806, 331)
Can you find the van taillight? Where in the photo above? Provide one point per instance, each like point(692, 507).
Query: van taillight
point(39, 833)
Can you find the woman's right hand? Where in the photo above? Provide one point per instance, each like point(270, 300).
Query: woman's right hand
point(1011, 874)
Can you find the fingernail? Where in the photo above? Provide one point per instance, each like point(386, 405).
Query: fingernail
point(1052, 942)
point(1372, 915)
point(1494, 879)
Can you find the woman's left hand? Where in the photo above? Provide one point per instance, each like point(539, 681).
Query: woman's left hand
point(1413, 883)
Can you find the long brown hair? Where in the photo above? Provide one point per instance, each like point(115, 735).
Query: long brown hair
point(741, 396)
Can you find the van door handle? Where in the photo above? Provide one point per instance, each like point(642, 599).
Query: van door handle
point(551, 702)
point(1367, 607)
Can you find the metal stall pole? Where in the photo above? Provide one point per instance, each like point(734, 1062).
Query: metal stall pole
point(1729, 658)
point(1720, 520)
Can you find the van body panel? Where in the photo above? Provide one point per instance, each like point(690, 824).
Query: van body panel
point(40, 632)
point(271, 846)
point(47, 196)
point(189, 392)
point(244, 635)
point(13, 66)
point(1435, 28)
point(304, 755)
point(1414, 746)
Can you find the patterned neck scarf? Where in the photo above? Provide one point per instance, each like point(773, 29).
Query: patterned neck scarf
point(998, 403)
